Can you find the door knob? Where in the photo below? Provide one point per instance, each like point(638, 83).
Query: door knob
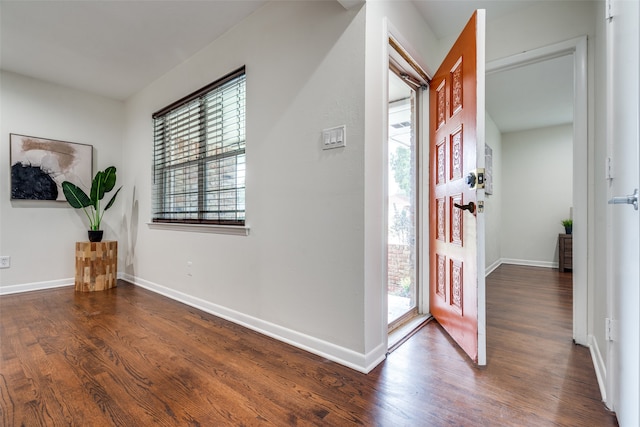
point(471, 179)
point(626, 200)
point(471, 207)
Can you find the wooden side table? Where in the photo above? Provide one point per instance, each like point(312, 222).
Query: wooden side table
point(96, 265)
point(565, 252)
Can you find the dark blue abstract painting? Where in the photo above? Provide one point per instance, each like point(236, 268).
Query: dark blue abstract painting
point(39, 166)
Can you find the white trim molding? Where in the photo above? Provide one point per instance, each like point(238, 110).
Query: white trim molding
point(529, 262)
point(599, 366)
point(526, 262)
point(36, 286)
point(491, 268)
point(201, 228)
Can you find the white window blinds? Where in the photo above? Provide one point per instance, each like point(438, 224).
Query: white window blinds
point(199, 156)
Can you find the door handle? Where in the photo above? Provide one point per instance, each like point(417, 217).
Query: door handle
point(475, 179)
point(471, 179)
point(471, 207)
point(626, 200)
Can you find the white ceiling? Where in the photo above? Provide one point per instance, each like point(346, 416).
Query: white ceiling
point(448, 17)
point(110, 47)
point(115, 48)
point(533, 96)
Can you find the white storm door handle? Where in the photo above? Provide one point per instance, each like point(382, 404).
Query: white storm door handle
point(626, 200)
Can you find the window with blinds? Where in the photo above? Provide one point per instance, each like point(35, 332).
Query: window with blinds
point(199, 156)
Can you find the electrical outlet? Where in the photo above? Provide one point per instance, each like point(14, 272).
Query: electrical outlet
point(5, 261)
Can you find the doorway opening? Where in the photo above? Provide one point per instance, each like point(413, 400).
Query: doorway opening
point(402, 201)
point(406, 83)
point(576, 50)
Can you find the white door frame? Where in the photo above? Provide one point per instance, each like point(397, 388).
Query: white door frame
point(623, 135)
point(578, 48)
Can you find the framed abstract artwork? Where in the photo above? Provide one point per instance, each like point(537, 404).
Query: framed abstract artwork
point(39, 166)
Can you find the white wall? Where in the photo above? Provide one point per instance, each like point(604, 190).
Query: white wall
point(493, 202)
point(310, 272)
point(537, 182)
point(299, 274)
point(40, 236)
point(542, 24)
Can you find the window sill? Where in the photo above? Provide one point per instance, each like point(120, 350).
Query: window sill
point(233, 230)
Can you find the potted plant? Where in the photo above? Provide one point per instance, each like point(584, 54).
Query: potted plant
point(568, 225)
point(102, 183)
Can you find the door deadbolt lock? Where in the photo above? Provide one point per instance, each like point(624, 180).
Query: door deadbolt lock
point(475, 179)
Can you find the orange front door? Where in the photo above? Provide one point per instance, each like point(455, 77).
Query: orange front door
point(456, 138)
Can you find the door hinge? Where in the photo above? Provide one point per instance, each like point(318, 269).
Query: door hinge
point(610, 329)
point(608, 10)
point(608, 172)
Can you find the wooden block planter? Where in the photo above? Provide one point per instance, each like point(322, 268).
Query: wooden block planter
point(96, 266)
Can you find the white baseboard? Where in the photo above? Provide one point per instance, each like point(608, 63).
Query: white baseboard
point(545, 264)
point(358, 361)
point(36, 286)
point(492, 267)
point(39, 286)
point(599, 366)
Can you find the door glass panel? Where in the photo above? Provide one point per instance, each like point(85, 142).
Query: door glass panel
point(401, 205)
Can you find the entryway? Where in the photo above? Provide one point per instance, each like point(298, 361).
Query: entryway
point(406, 84)
point(402, 201)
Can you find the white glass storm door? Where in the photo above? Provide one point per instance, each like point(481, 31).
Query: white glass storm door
point(402, 277)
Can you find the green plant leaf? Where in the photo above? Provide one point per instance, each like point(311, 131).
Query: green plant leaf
point(103, 182)
point(109, 178)
point(113, 199)
point(75, 196)
point(97, 189)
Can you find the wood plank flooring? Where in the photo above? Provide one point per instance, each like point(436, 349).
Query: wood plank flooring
point(128, 357)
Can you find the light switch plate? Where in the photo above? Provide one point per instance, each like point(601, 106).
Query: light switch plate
point(334, 137)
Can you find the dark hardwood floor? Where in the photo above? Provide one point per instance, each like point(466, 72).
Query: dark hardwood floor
point(129, 357)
